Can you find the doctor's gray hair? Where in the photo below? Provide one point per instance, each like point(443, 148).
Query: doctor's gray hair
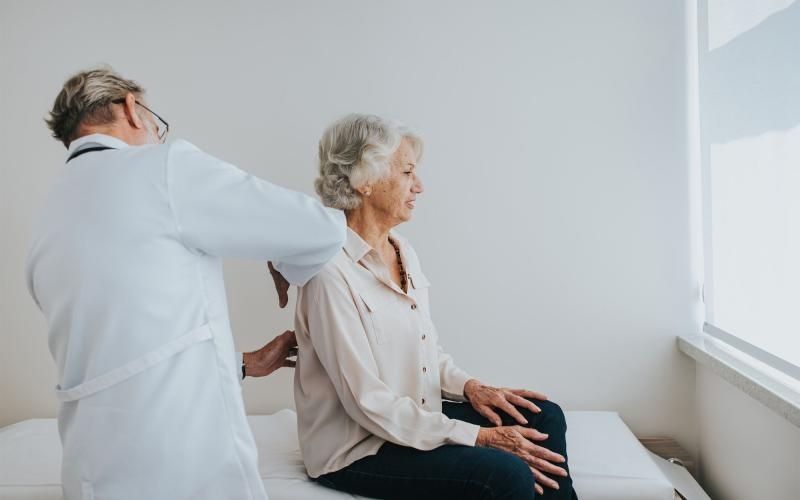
point(85, 98)
point(354, 151)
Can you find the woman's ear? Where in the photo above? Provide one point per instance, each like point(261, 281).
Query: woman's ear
point(129, 108)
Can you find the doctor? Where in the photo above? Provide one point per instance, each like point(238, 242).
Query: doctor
point(125, 263)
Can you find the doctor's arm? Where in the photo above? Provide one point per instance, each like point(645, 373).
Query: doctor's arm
point(225, 212)
point(269, 358)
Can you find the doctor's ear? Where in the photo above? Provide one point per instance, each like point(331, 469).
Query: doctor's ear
point(129, 108)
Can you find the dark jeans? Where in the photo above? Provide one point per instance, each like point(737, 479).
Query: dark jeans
point(458, 472)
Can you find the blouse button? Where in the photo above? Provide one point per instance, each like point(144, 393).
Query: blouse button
point(413, 306)
point(424, 336)
point(423, 400)
point(424, 370)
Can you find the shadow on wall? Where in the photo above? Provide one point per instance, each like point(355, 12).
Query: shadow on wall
point(755, 80)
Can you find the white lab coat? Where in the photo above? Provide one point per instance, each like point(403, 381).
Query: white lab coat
point(125, 264)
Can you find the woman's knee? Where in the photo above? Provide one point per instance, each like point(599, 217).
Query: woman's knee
point(555, 413)
point(509, 477)
point(551, 417)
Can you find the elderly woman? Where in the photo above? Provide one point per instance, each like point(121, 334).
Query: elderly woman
point(371, 376)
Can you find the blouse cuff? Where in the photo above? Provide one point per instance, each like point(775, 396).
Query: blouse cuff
point(464, 433)
point(453, 387)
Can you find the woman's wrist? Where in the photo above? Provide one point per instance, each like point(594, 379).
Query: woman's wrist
point(483, 437)
point(470, 387)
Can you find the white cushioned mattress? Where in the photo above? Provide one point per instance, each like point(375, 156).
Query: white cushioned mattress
point(607, 461)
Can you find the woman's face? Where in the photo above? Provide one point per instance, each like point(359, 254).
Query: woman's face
point(394, 195)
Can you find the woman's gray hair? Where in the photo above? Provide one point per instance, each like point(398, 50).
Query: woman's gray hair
point(85, 99)
point(354, 151)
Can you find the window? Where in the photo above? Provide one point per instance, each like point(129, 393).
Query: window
point(750, 140)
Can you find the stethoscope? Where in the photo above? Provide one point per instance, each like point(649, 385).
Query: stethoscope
point(87, 150)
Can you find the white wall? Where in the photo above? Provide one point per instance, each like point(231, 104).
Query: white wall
point(555, 224)
point(746, 450)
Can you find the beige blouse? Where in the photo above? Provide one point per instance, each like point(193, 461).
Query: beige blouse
point(370, 368)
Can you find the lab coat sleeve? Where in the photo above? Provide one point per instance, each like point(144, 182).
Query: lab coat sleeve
point(340, 341)
point(222, 211)
point(29, 280)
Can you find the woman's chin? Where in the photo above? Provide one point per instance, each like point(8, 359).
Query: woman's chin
point(400, 220)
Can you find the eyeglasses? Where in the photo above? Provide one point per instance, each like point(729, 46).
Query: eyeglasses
point(163, 126)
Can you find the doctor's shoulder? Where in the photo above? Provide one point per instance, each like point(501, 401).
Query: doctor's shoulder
point(160, 154)
point(183, 151)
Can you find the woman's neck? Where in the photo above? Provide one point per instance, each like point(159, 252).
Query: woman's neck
point(371, 229)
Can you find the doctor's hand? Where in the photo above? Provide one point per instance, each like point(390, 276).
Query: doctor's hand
point(281, 286)
point(486, 399)
point(520, 441)
point(272, 356)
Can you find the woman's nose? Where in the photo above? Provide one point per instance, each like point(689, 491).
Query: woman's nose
point(418, 186)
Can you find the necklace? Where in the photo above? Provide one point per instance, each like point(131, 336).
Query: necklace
point(403, 278)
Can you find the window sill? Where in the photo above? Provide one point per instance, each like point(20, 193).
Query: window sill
point(772, 388)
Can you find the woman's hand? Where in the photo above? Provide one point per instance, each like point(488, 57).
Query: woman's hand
point(485, 399)
point(520, 441)
point(272, 356)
